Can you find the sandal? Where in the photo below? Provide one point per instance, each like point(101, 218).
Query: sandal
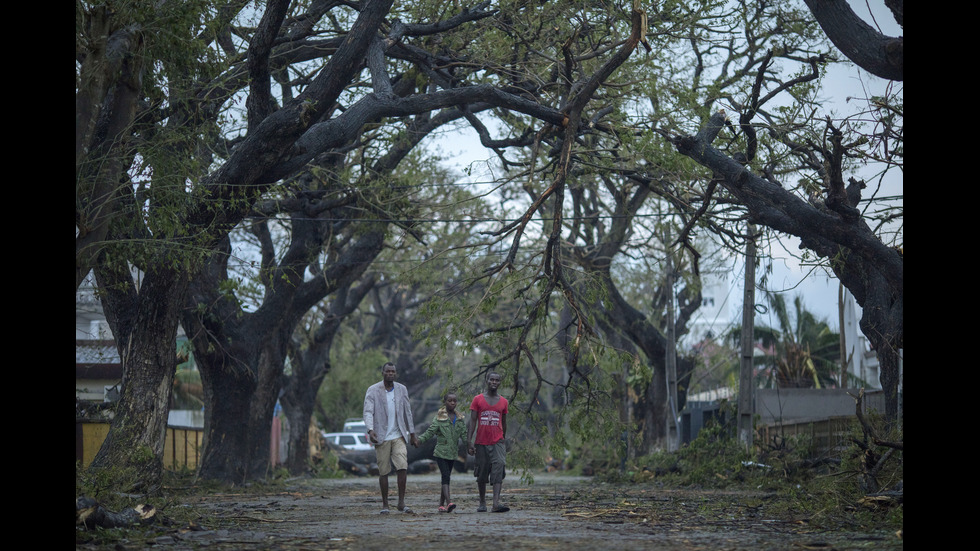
point(450, 507)
point(442, 509)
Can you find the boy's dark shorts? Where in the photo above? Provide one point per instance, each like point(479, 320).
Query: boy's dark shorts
point(491, 463)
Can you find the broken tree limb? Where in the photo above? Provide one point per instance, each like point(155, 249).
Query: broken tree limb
point(92, 514)
point(868, 429)
point(873, 461)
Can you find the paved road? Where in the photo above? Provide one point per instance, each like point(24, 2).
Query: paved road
point(556, 512)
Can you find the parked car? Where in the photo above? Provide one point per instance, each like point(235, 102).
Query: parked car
point(348, 440)
point(355, 424)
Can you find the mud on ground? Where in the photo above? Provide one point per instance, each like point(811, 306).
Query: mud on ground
point(557, 512)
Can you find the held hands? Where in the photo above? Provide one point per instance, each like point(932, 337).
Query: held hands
point(415, 441)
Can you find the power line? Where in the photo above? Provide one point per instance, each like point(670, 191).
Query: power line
point(503, 220)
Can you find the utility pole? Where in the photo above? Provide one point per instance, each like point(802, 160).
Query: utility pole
point(844, 364)
point(746, 382)
point(673, 439)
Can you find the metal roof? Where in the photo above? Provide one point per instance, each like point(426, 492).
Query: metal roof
point(96, 352)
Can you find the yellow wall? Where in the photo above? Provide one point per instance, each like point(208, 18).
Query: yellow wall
point(90, 436)
point(182, 448)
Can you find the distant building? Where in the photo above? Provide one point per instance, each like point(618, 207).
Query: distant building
point(714, 318)
point(862, 362)
point(98, 369)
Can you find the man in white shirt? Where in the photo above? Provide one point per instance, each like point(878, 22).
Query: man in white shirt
point(388, 417)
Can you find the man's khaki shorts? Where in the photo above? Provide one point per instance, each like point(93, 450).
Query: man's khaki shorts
point(392, 454)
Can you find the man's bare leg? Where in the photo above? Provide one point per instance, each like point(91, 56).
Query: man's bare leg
point(383, 482)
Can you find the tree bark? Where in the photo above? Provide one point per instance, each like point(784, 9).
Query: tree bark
point(880, 55)
point(145, 325)
point(241, 385)
point(241, 355)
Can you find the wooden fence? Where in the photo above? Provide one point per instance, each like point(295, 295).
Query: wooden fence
point(182, 449)
point(827, 436)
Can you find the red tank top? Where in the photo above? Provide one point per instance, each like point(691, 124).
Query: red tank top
point(488, 427)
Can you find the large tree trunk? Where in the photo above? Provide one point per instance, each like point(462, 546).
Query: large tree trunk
point(241, 386)
point(880, 55)
point(655, 410)
point(882, 321)
point(299, 414)
point(145, 325)
point(227, 393)
point(242, 355)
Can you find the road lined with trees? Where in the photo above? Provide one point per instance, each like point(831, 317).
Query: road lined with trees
point(264, 169)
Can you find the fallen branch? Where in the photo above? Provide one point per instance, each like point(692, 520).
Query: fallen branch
point(257, 519)
point(92, 514)
point(884, 499)
point(872, 461)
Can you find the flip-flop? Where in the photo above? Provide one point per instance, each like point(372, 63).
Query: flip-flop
point(501, 509)
point(450, 507)
point(481, 509)
point(384, 511)
point(442, 509)
point(406, 510)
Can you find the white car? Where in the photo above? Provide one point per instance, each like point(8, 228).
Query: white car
point(349, 440)
point(355, 424)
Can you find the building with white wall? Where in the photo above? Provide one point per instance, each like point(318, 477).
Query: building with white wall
point(862, 363)
point(713, 320)
point(98, 369)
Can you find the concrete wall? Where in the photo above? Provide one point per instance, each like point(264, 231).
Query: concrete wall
point(801, 404)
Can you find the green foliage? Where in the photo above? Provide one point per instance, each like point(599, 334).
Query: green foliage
point(801, 351)
point(865, 469)
point(715, 459)
point(102, 484)
point(828, 490)
point(329, 466)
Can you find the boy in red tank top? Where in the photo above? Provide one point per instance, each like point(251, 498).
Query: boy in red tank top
point(487, 431)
